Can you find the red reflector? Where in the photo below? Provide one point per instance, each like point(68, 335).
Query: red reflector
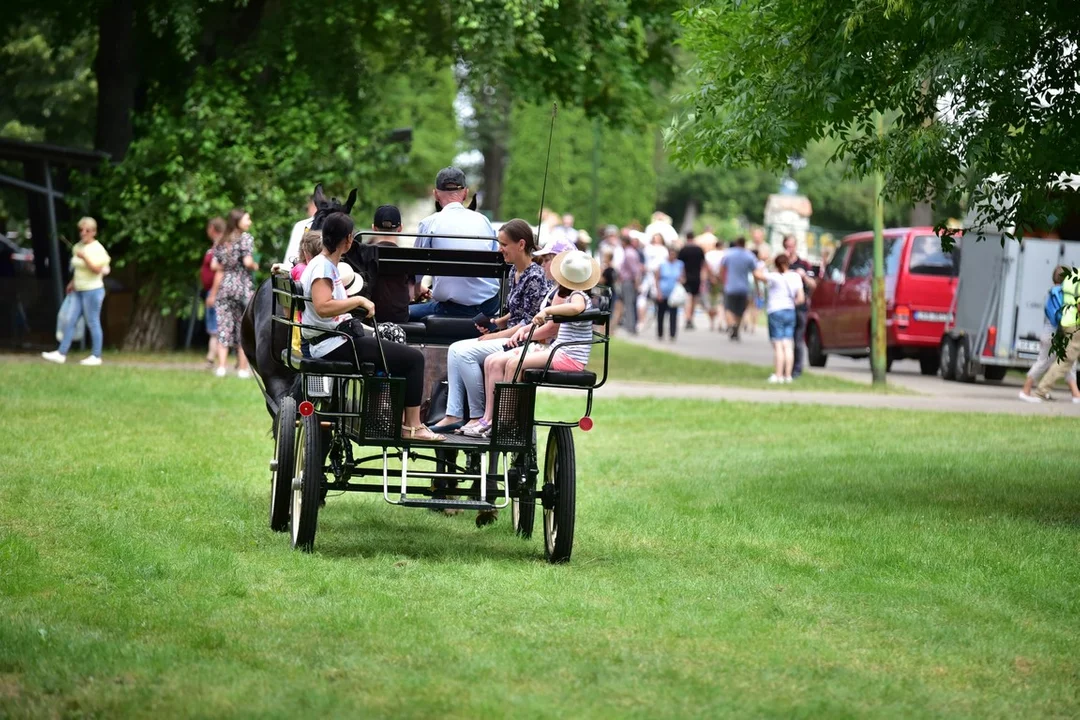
point(306, 408)
point(991, 341)
point(585, 424)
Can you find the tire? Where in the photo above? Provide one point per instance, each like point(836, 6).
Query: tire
point(308, 482)
point(994, 373)
point(947, 358)
point(523, 512)
point(814, 354)
point(285, 463)
point(963, 361)
point(929, 363)
point(559, 485)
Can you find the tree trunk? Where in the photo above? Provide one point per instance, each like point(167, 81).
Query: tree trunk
point(150, 329)
point(117, 76)
point(493, 131)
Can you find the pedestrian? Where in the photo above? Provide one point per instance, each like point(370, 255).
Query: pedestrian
point(715, 288)
point(808, 274)
point(233, 264)
point(391, 293)
point(1053, 311)
point(454, 296)
point(90, 262)
point(611, 242)
point(785, 290)
point(630, 274)
point(668, 275)
point(692, 257)
point(735, 271)
point(215, 230)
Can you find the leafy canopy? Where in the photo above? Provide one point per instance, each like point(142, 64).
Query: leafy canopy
point(984, 92)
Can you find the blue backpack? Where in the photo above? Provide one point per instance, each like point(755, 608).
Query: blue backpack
point(1055, 304)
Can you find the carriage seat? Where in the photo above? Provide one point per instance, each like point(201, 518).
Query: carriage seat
point(415, 332)
point(562, 378)
point(317, 366)
point(448, 330)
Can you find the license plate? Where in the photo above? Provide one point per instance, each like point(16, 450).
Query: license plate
point(931, 316)
point(1027, 346)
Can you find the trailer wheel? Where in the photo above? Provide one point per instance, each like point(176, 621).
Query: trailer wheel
point(947, 353)
point(994, 373)
point(963, 361)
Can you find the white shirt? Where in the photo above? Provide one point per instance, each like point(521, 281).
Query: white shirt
point(293, 248)
point(617, 253)
point(783, 289)
point(655, 255)
point(321, 267)
point(456, 219)
point(713, 258)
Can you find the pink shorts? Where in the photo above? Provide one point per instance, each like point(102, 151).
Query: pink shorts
point(565, 363)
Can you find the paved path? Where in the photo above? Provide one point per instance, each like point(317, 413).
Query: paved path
point(933, 393)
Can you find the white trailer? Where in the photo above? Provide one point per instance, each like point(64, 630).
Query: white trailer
point(997, 312)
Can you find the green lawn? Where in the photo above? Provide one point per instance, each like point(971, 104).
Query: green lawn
point(629, 361)
point(731, 559)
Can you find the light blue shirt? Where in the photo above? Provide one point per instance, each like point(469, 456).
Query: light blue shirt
point(456, 219)
point(670, 272)
point(739, 262)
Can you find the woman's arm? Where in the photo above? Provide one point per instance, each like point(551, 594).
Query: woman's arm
point(249, 263)
point(759, 274)
point(322, 298)
point(96, 269)
point(211, 297)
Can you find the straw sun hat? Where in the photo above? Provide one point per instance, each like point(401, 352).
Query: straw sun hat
point(574, 269)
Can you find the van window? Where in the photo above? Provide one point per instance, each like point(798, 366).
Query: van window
point(927, 257)
point(835, 269)
point(894, 251)
point(862, 260)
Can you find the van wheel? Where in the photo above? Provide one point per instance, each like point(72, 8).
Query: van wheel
point(963, 361)
point(947, 355)
point(929, 363)
point(814, 354)
point(995, 373)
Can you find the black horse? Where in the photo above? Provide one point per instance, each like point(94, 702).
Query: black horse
point(259, 335)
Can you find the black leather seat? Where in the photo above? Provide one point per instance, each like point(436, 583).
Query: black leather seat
point(415, 332)
point(448, 330)
point(317, 366)
point(580, 378)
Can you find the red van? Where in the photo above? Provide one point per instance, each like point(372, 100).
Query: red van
point(920, 282)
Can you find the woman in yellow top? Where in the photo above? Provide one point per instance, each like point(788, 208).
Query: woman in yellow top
point(91, 264)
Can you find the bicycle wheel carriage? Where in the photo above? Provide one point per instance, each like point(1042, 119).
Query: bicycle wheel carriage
point(344, 433)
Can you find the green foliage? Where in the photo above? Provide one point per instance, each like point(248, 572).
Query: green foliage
point(982, 89)
point(626, 179)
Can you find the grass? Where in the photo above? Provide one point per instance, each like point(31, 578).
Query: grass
point(629, 361)
point(770, 561)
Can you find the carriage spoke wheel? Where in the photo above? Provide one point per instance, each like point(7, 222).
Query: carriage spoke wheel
point(523, 512)
point(306, 484)
point(284, 465)
point(559, 484)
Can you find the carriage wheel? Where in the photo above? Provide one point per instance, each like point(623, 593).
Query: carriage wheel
point(307, 484)
point(284, 465)
point(523, 512)
point(560, 495)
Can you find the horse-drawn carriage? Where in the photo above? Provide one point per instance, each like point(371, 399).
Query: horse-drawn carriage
point(343, 430)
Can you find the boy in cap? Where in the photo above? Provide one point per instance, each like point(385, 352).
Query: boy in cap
point(453, 296)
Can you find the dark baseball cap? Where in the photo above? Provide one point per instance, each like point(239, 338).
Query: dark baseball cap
point(387, 217)
point(450, 178)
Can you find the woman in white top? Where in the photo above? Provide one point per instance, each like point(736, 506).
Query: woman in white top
point(329, 308)
point(90, 263)
point(785, 290)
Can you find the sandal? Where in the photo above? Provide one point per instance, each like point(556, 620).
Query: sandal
point(430, 437)
point(480, 429)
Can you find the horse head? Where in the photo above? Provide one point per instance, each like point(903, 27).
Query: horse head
point(324, 208)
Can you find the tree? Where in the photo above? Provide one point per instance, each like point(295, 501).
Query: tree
point(984, 93)
point(623, 172)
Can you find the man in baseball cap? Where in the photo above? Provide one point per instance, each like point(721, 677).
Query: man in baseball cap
point(454, 296)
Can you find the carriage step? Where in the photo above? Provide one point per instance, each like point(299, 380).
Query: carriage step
point(447, 504)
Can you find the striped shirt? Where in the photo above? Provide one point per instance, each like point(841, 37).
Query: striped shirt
point(575, 332)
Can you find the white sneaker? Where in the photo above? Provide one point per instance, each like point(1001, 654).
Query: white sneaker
point(1028, 398)
point(243, 374)
point(775, 379)
point(90, 360)
point(54, 356)
point(787, 380)
point(221, 372)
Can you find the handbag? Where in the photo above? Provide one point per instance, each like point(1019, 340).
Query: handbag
point(70, 309)
point(677, 296)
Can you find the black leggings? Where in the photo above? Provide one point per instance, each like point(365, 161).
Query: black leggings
point(403, 361)
point(662, 309)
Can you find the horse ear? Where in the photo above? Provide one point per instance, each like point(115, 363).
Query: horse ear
point(472, 205)
point(350, 201)
point(317, 197)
